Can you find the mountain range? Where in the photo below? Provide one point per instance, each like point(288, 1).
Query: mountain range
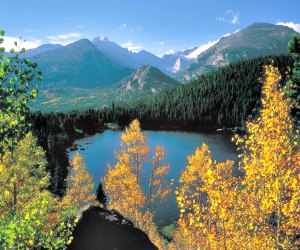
point(258, 39)
point(97, 72)
point(147, 80)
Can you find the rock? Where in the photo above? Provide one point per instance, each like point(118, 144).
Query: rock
point(103, 229)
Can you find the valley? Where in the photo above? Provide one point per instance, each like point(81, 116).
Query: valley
point(158, 125)
point(92, 74)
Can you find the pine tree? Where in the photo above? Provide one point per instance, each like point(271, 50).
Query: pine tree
point(100, 195)
point(292, 86)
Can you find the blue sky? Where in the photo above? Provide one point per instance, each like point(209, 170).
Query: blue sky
point(157, 25)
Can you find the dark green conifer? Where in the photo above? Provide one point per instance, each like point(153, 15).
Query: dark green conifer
point(100, 195)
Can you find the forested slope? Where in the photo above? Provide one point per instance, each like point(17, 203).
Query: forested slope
point(224, 97)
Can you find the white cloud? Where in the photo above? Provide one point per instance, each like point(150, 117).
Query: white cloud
point(233, 17)
point(169, 51)
point(64, 39)
point(161, 53)
point(132, 47)
point(200, 49)
point(64, 43)
point(161, 43)
point(65, 36)
point(122, 26)
point(295, 26)
point(9, 41)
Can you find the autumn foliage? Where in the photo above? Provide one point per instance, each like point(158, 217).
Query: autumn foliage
point(123, 180)
point(259, 210)
point(269, 202)
point(30, 217)
point(79, 186)
point(205, 199)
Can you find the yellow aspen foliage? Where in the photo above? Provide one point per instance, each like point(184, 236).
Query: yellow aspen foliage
point(134, 143)
point(29, 215)
point(125, 194)
point(79, 186)
point(205, 199)
point(268, 208)
point(123, 181)
point(22, 174)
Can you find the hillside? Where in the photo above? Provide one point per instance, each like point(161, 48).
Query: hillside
point(145, 81)
point(258, 39)
point(224, 97)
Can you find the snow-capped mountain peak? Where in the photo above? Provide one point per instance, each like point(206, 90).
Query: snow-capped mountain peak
point(103, 39)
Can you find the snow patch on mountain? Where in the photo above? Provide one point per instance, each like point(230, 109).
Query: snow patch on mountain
point(194, 55)
point(177, 66)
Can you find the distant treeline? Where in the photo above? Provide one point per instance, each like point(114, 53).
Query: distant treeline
point(225, 97)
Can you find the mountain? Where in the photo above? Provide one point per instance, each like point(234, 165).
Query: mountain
point(79, 64)
point(125, 57)
point(145, 81)
point(258, 39)
point(130, 59)
point(179, 60)
point(116, 53)
point(147, 58)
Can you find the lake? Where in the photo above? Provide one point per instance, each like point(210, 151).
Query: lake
point(178, 145)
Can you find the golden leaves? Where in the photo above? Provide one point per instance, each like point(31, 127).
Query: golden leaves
point(26, 206)
point(123, 181)
point(79, 186)
point(269, 160)
point(204, 199)
point(260, 210)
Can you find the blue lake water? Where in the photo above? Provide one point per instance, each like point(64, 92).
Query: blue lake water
point(178, 145)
